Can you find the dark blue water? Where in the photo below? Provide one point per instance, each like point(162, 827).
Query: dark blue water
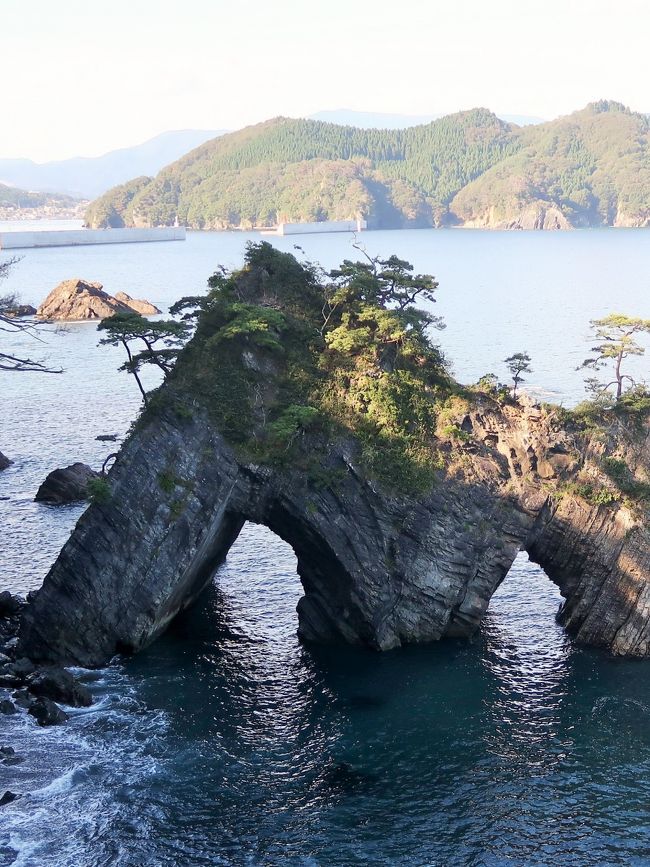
point(228, 742)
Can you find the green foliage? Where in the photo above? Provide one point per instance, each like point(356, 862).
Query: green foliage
point(168, 482)
point(617, 336)
point(107, 212)
point(292, 170)
point(177, 507)
point(12, 198)
point(99, 491)
point(291, 422)
point(183, 411)
point(591, 167)
point(126, 329)
point(455, 432)
point(634, 403)
point(285, 355)
point(489, 384)
point(258, 325)
point(517, 364)
point(624, 479)
point(591, 493)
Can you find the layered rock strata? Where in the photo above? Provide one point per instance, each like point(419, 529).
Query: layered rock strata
point(377, 568)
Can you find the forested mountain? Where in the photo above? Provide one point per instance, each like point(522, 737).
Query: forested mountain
point(587, 169)
point(18, 204)
point(591, 168)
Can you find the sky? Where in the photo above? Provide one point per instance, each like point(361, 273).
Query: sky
point(83, 78)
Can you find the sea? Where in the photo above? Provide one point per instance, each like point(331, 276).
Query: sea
point(228, 741)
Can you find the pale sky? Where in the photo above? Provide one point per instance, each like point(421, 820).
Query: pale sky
point(81, 77)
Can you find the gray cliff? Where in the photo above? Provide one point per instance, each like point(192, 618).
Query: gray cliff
point(377, 570)
point(325, 412)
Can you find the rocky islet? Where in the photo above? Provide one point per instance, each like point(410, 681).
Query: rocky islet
point(380, 566)
point(77, 300)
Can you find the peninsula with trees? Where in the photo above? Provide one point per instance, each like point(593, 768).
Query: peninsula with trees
point(17, 204)
point(587, 169)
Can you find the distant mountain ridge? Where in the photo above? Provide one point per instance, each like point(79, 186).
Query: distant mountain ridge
point(387, 120)
point(88, 177)
point(590, 168)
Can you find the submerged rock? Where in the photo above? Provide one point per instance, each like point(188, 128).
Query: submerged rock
point(21, 668)
point(8, 798)
point(7, 707)
point(13, 760)
point(78, 299)
point(66, 485)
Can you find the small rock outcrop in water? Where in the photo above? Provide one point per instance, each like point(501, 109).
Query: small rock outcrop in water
point(4, 462)
point(66, 485)
point(398, 538)
point(35, 689)
point(77, 299)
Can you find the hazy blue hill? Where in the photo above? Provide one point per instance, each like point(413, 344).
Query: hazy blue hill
point(87, 177)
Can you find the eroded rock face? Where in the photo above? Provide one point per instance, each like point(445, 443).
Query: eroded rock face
point(74, 300)
point(275, 413)
point(377, 569)
point(535, 216)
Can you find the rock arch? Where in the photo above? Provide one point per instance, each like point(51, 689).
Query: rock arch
point(377, 568)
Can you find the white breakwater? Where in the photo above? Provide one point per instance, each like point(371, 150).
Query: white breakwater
point(358, 225)
point(81, 237)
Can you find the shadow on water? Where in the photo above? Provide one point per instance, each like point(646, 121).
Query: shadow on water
point(448, 753)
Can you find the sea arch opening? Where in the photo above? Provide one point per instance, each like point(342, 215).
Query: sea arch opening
point(260, 585)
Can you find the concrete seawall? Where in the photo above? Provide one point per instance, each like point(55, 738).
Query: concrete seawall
point(325, 226)
point(81, 237)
